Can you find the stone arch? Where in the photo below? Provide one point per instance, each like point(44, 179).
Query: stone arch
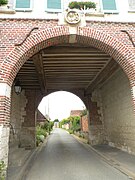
point(78, 93)
point(61, 34)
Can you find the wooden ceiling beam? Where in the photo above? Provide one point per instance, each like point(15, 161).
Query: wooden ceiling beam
point(95, 54)
point(76, 58)
point(69, 72)
point(68, 77)
point(64, 87)
point(71, 68)
point(38, 62)
point(73, 65)
point(69, 49)
point(30, 87)
point(79, 62)
point(73, 71)
point(70, 81)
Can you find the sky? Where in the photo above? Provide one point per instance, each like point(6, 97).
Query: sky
point(59, 104)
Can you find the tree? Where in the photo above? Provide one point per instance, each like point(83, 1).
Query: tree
point(74, 122)
point(56, 120)
point(84, 112)
point(3, 2)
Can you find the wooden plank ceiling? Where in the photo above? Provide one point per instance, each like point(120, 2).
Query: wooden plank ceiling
point(65, 67)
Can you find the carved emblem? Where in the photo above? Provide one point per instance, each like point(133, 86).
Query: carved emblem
point(72, 17)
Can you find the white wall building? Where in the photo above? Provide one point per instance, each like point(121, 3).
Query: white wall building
point(112, 10)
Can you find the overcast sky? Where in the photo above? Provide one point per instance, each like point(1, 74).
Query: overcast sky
point(59, 104)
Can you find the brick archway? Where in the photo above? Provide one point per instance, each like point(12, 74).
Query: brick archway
point(60, 35)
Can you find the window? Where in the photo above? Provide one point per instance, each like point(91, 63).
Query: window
point(25, 5)
point(109, 6)
point(54, 5)
point(131, 5)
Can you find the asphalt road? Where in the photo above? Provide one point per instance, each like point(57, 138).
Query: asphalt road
point(64, 158)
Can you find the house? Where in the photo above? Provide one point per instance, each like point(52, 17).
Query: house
point(112, 10)
point(41, 119)
point(56, 125)
point(75, 112)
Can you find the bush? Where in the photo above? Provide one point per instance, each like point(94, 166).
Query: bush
point(47, 126)
point(3, 2)
point(2, 170)
point(81, 135)
point(40, 132)
point(37, 140)
point(84, 112)
point(81, 5)
point(74, 123)
point(71, 131)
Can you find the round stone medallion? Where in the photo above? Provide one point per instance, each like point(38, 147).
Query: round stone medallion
point(72, 17)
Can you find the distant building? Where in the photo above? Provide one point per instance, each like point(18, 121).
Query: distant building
point(41, 118)
point(75, 112)
point(83, 119)
point(66, 126)
point(56, 124)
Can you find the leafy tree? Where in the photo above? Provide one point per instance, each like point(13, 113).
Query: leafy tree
point(56, 120)
point(64, 121)
point(84, 112)
point(74, 122)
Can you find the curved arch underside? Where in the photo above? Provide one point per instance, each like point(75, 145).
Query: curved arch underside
point(67, 67)
point(56, 36)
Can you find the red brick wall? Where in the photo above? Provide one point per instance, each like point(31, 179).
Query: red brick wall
point(75, 113)
point(4, 110)
point(84, 123)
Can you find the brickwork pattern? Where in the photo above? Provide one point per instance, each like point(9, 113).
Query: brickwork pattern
point(75, 112)
point(4, 110)
point(84, 123)
point(96, 125)
point(118, 112)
